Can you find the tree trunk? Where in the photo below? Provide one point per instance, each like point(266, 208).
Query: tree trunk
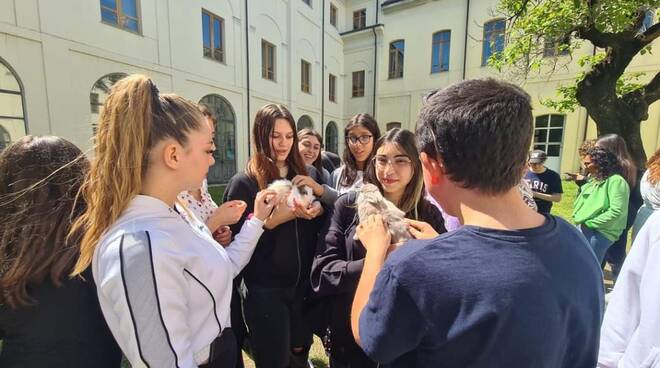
point(614, 114)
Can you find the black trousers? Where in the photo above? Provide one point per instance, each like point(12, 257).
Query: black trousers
point(276, 325)
point(616, 253)
point(223, 351)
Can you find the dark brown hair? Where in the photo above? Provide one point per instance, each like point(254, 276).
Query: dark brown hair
point(318, 163)
point(481, 129)
point(585, 147)
point(606, 161)
point(261, 166)
point(39, 180)
point(412, 200)
point(615, 144)
point(349, 174)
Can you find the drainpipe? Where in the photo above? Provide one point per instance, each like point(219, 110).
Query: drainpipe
point(247, 69)
point(465, 41)
point(323, 70)
point(373, 114)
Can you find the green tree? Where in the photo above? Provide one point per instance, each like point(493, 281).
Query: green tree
point(540, 32)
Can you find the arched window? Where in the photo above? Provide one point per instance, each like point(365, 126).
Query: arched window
point(100, 91)
point(392, 125)
point(12, 115)
point(305, 122)
point(225, 138)
point(5, 138)
point(331, 138)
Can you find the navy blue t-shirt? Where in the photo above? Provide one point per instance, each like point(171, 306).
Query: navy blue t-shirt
point(547, 182)
point(480, 297)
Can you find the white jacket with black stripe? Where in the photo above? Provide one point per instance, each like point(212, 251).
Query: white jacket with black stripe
point(164, 284)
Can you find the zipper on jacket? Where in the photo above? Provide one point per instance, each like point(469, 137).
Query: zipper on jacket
point(295, 223)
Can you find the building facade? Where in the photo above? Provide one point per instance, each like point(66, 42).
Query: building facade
point(325, 59)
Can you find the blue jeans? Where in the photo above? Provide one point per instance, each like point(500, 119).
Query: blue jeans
point(597, 241)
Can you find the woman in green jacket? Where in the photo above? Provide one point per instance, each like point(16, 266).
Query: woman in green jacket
point(601, 208)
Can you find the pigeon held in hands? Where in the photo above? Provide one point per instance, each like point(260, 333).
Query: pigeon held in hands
point(371, 202)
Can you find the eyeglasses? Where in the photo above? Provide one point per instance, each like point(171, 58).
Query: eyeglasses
point(363, 139)
point(398, 162)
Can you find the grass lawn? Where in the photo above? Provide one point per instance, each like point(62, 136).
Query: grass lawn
point(564, 208)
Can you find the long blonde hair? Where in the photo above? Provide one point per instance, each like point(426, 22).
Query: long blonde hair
point(135, 118)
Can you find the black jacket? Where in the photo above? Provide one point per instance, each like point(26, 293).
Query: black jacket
point(337, 267)
point(63, 327)
point(283, 256)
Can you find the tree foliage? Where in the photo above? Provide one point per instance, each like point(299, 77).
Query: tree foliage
point(600, 36)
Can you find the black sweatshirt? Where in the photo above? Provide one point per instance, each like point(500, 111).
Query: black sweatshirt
point(283, 256)
point(338, 264)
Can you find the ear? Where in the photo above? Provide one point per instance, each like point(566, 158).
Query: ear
point(433, 168)
point(172, 154)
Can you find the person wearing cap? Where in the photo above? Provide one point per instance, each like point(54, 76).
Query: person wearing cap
point(545, 183)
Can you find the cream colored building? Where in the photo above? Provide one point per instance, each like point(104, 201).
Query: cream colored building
point(325, 59)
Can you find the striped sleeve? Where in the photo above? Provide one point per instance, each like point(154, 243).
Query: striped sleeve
point(154, 291)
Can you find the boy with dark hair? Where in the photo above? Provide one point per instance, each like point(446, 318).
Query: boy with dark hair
point(545, 183)
point(511, 288)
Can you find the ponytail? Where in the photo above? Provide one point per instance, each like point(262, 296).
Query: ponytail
point(134, 118)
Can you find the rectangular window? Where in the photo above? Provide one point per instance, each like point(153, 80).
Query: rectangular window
point(440, 51)
point(121, 13)
point(213, 32)
point(332, 88)
point(267, 60)
point(556, 47)
point(360, 19)
point(493, 39)
point(305, 76)
point(333, 15)
point(396, 59)
point(358, 83)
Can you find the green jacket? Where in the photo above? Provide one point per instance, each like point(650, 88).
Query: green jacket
point(603, 206)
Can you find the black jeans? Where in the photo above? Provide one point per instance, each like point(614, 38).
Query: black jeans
point(223, 351)
point(276, 325)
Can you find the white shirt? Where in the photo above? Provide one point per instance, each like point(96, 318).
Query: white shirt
point(357, 184)
point(630, 334)
point(164, 284)
point(204, 208)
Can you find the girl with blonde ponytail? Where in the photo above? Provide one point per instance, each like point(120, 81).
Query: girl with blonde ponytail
point(164, 285)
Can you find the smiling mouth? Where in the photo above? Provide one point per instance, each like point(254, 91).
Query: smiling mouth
point(389, 181)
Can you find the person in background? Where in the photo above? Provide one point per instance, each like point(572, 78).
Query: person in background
point(544, 182)
point(601, 208)
point(330, 160)
point(276, 281)
point(616, 253)
point(397, 172)
point(631, 328)
point(360, 134)
point(163, 283)
point(47, 319)
point(650, 192)
point(201, 204)
point(511, 287)
point(581, 178)
point(309, 145)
